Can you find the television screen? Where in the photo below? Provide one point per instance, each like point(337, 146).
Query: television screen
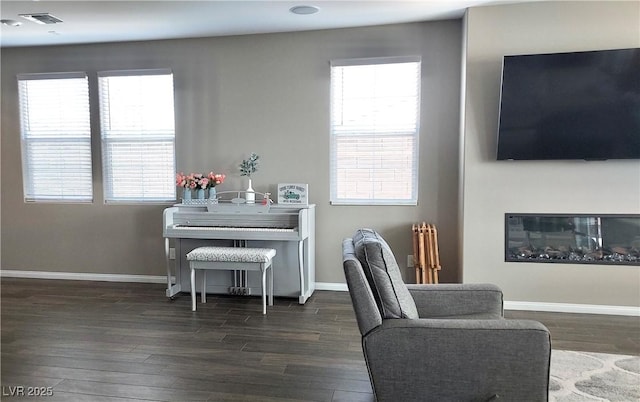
point(582, 105)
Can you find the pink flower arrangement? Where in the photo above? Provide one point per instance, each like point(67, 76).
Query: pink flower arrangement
point(215, 179)
point(182, 180)
point(195, 181)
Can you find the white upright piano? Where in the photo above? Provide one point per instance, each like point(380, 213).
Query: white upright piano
point(290, 229)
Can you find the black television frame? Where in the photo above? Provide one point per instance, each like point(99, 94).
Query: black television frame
point(585, 135)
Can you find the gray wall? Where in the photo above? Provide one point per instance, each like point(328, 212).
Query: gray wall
point(234, 95)
point(492, 188)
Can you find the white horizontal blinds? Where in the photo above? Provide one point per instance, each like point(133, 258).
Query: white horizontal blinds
point(56, 137)
point(138, 135)
point(374, 131)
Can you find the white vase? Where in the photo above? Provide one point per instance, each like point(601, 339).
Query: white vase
point(250, 195)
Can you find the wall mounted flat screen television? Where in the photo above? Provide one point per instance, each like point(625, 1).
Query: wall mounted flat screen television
point(581, 105)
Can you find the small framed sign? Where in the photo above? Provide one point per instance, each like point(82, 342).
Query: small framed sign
point(293, 193)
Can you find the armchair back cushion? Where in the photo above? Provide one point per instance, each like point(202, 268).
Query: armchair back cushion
point(383, 274)
point(364, 304)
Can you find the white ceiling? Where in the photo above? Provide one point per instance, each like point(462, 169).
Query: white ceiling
point(115, 21)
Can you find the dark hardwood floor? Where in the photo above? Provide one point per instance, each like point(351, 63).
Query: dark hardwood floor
point(101, 341)
point(588, 332)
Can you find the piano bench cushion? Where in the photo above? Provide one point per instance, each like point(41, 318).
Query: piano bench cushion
point(231, 254)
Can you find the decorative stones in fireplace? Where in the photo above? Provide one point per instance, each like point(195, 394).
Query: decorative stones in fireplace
point(574, 239)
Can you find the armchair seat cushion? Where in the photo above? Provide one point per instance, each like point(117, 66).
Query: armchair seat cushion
point(383, 274)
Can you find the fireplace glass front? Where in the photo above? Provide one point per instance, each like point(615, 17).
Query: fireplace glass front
point(575, 239)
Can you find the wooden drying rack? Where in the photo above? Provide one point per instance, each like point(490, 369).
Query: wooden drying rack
point(426, 259)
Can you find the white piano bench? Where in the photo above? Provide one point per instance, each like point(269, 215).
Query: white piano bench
point(231, 258)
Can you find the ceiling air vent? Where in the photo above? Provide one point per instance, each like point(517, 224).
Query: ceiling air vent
point(41, 18)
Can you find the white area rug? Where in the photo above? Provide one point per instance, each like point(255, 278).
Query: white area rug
point(583, 376)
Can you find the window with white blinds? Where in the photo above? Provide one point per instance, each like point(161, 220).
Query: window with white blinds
point(375, 116)
point(138, 135)
point(55, 137)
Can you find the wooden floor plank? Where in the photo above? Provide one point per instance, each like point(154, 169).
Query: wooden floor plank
point(96, 388)
point(15, 362)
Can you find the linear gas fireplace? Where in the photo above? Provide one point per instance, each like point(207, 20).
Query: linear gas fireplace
point(573, 238)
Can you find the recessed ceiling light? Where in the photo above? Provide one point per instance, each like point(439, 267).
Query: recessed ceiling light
point(11, 23)
point(304, 10)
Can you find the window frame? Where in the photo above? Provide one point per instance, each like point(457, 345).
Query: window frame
point(415, 134)
point(27, 138)
point(105, 141)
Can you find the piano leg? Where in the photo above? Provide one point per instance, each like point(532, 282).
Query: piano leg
point(302, 299)
point(172, 290)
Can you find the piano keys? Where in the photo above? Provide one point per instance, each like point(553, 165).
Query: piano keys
point(289, 229)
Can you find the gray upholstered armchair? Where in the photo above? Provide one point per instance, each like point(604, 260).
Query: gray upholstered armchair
point(446, 342)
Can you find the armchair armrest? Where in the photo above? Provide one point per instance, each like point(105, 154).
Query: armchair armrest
point(459, 360)
point(457, 300)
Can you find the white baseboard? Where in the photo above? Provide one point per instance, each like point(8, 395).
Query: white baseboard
point(533, 306)
point(573, 308)
point(339, 287)
point(83, 276)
